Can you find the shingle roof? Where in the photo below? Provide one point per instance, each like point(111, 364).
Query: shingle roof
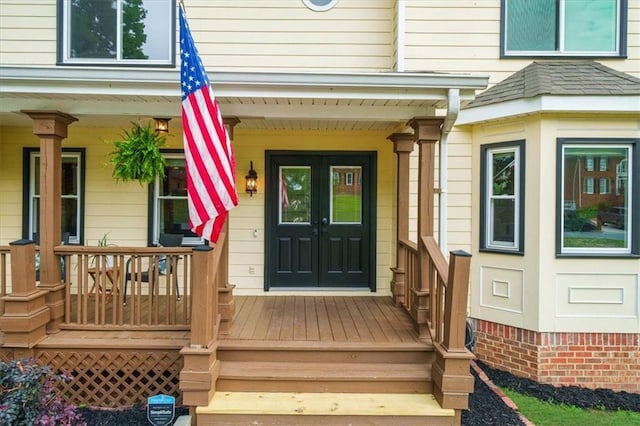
point(572, 78)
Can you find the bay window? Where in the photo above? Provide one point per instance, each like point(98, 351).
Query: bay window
point(595, 220)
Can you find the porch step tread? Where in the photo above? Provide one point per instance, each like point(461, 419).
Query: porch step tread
point(324, 404)
point(324, 371)
point(293, 345)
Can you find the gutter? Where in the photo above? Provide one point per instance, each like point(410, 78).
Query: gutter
point(453, 102)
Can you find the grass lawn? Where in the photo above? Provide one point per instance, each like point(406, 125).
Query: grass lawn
point(347, 208)
point(543, 413)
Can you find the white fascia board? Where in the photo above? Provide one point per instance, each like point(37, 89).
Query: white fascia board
point(135, 81)
point(608, 104)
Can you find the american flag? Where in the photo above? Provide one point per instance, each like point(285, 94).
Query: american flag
point(208, 153)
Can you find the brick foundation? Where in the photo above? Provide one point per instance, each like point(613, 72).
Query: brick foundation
point(591, 360)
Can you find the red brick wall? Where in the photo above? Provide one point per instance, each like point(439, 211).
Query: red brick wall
point(592, 360)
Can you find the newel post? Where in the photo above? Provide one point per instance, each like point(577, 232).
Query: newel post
point(402, 146)
point(450, 372)
point(427, 134)
point(25, 311)
point(51, 127)
point(201, 367)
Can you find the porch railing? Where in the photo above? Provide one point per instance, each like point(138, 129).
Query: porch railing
point(127, 287)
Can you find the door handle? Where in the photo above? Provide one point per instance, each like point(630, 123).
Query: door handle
point(325, 221)
point(314, 228)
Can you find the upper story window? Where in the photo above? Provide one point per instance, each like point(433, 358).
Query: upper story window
point(584, 28)
point(502, 197)
point(72, 193)
point(122, 32)
point(320, 5)
point(594, 219)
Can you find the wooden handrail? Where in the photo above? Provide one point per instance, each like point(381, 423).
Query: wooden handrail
point(436, 257)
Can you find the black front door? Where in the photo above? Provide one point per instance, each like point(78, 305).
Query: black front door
point(320, 219)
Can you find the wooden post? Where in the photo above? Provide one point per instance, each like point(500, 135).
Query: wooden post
point(450, 372)
point(201, 367)
point(402, 146)
point(25, 311)
point(427, 133)
point(226, 302)
point(51, 127)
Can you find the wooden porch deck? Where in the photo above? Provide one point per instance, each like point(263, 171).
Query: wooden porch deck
point(315, 320)
point(330, 320)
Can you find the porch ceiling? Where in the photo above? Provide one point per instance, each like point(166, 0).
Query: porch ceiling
point(105, 97)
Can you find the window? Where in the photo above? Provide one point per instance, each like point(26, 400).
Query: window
point(72, 177)
point(589, 164)
point(588, 185)
point(598, 223)
point(604, 164)
point(320, 5)
point(502, 194)
point(349, 179)
point(169, 210)
point(135, 32)
point(585, 28)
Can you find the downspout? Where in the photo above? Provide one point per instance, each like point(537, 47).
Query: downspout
point(453, 110)
point(400, 28)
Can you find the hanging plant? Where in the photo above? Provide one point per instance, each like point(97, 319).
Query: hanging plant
point(137, 156)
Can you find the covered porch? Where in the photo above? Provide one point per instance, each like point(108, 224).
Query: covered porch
point(186, 334)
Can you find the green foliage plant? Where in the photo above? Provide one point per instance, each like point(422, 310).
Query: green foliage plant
point(29, 396)
point(137, 156)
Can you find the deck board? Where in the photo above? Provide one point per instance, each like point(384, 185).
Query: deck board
point(348, 319)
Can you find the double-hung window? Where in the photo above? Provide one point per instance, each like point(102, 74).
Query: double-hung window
point(72, 192)
point(502, 193)
point(584, 28)
point(169, 210)
point(125, 32)
point(595, 220)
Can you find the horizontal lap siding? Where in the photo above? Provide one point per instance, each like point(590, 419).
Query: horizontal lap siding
point(28, 32)
point(464, 36)
point(286, 35)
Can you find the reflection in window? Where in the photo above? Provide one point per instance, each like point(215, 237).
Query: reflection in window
point(295, 194)
point(346, 197)
point(563, 27)
point(171, 210)
point(100, 31)
point(502, 204)
point(595, 219)
point(71, 195)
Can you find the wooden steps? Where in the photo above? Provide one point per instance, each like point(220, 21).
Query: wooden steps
point(286, 408)
point(265, 366)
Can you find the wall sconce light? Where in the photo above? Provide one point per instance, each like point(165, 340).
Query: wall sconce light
point(162, 125)
point(252, 181)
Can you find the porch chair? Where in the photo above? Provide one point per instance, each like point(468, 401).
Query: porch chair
point(64, 242)
point(165, 265)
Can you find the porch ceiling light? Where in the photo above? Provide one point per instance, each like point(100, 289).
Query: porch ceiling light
point(252, 181)
point(161, 125)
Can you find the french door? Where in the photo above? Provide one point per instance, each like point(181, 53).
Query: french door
point(320, 220)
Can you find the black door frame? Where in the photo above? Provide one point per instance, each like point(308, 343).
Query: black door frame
point(270, 210)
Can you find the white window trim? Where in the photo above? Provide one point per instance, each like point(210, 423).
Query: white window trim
point(186, 241)
point(33, 219)
point(589, 185)
point(319, 8)
point(66, 41)
point(604, 186)
point(488, 203)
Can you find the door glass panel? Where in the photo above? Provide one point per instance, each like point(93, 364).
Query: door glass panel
point(346, 194)
point(295, 194)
